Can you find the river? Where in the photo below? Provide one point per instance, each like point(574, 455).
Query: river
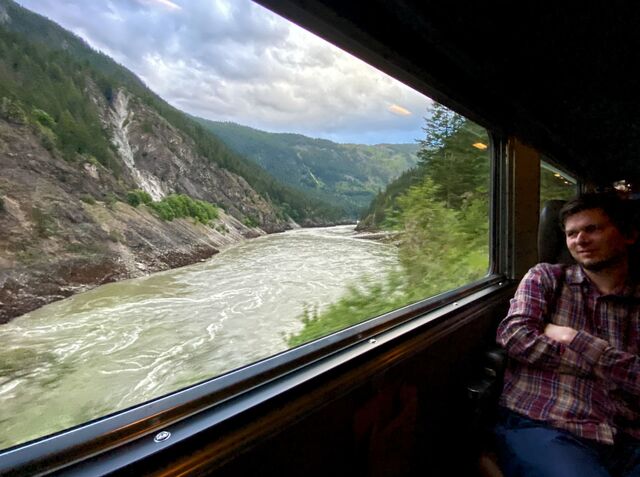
point(125, 343)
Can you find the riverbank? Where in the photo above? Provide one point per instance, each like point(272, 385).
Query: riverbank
point(385, 236)
point(112, 242)
point(108, 243)
point(128, 342)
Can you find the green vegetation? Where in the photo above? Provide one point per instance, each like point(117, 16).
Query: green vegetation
point(346, 175)
point(50, 85)
point(222, 228)
point(115, 236)
point(88, 199)
point(441, 211)
point(43, 118)
point(137, 197)
point(47, 76)
point(374, 217)
point(111, 200)
point(251, 222)
point(12, 111)
point(177, 206)
point(147, 127)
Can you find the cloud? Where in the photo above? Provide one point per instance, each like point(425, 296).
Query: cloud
point(233, 60)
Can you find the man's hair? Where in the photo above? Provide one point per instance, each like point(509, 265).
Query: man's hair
point(618, 210)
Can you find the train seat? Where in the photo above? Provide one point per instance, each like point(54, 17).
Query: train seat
point(551, 242)
point(486, 391)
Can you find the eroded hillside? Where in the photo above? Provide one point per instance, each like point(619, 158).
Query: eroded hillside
point(66, 226)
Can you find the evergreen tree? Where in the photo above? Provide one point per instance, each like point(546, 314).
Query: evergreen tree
point(440, 125)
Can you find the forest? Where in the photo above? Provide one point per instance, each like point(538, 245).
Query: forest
point(345, 175)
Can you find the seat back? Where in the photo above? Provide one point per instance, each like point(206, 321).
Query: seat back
point(552, 247)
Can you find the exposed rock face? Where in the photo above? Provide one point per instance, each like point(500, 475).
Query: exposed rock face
point(118, 118)
point(161, 161)
point(64, 227)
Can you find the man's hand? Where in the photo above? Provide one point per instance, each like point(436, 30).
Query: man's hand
point(563, 334)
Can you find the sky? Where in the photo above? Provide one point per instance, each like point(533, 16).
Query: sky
point(233, 60)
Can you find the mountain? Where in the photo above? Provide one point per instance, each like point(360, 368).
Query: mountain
point(102, 180)
point(345, 175)
point(56, 62)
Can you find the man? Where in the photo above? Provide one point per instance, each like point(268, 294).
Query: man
point(571, 399)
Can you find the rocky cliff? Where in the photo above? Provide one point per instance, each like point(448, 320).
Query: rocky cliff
point(160, 160)
point(65, 226)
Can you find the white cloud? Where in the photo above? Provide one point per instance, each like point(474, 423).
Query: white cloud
point(233, 60)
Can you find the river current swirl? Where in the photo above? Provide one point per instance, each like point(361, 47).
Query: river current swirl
point(125, 343)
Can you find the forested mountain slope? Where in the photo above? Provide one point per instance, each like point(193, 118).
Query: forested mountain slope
point(346, 175)
point(51, 67)
point(100, 179)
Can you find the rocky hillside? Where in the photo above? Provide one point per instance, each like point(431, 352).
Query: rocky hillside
point(66, 227)
point(102, 180)
point(160, 160)
point(80, 138)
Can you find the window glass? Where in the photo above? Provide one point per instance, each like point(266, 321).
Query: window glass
point(189, 189)
point(555, 184)
point(435, 215)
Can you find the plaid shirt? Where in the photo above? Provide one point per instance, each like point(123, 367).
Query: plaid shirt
point(590, 387)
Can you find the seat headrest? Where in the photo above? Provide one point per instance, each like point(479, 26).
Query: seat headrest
point(551, 241)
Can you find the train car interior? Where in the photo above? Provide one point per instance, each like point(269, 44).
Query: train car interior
point(412, 392)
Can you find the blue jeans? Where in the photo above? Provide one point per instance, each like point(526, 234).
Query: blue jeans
point(528, 448)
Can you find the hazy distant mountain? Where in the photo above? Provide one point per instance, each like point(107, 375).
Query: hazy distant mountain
point(347, 175)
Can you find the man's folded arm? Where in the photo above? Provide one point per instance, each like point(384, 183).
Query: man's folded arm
point(521, 333)
point(608, 363)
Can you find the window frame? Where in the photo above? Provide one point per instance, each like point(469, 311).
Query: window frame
point(119, 439)
point(553, 166)
point(112, 442)
point(550, 165)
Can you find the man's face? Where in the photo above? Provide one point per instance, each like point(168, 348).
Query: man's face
point(594, 242)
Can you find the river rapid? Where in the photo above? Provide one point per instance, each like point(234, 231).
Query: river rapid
point(125, 343)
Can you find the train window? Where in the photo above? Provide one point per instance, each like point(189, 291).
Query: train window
point(555, 184)
point(128, 269)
